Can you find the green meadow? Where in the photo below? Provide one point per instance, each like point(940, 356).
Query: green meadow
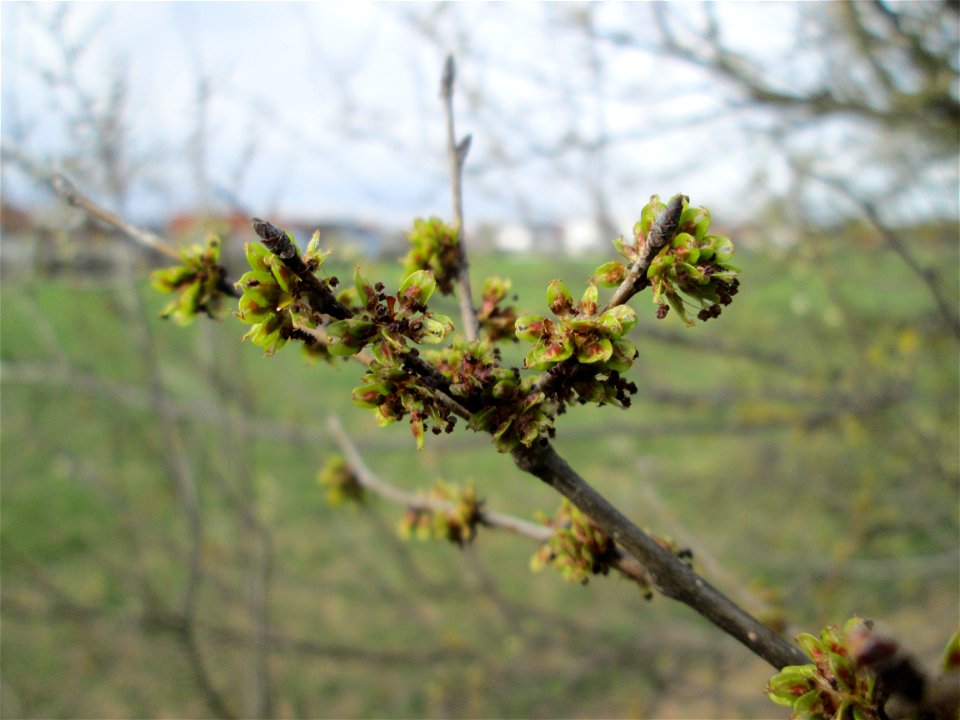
point(167, 550)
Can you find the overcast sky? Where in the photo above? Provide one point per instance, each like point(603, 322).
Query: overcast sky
point(331, 108)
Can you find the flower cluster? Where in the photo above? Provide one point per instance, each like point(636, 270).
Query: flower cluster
point(585, 349)
point(579, 331)
point(272, 299)
point(510, 410)
point(199, 282)
point(341, 483)
point(692, 266)
point(835, 685)
point(434, 246)
point(495, 319)
point(388, 323)
point(390, 319)
point(578, 547)
point(457, 523)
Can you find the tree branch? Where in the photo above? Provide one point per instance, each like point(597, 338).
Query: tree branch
point(65, 189)
point(927, 276)
point(670, 575)
point(457, 153)
point(625, 563)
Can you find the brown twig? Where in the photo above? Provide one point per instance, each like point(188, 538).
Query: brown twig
point(457, 153)
point(625, 563)
point(65, 189)
point(945, 306)
point(670, 575)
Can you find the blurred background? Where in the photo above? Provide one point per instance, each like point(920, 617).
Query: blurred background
point(167, 550)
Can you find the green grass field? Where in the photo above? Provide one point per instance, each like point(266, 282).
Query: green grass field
point(804, 445)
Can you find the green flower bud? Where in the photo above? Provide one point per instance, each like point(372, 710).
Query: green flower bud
point(559, 299)
point(610, 274)
point(532, 327)
point(596, 350)
point(418, 286)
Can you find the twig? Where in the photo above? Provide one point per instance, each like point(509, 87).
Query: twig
point(670, 575)
point(624, 562)
point(65, 189)
point(661, 233)
point(457, 153)
point(374, 484)
point(926, 274)
point(278, 242)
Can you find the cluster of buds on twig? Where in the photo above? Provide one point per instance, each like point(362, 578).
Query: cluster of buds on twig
point(693, 266)
point(859, 673)
point(341, 483)
point(199, 282)
point(496, 320)
point(456, 521)
point(434, 246)
point(578, 548)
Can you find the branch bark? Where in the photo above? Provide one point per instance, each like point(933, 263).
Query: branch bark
point(670, 576)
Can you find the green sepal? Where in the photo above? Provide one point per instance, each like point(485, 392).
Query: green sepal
point(383, 419)
point(588, 302)
point(284, 275)
point(559, 299)
point(595, 350)
point(610, 274)
point(647, 215)
point(258, 257)
point(435, 328)
point(256, 277)
point(624, 353)
point(419, 286)
point(371, 395)
point(951, 654)
point(504, 426)
point(618, 320)
point(365, 290)
point(546, 353)
point(791, 683)
point(808, 705)
point(532, 327)
point(722, 248)
point(313, 247)
point(811, 645)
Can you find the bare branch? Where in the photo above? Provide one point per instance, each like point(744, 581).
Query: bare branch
point(457, 153)
point(625, 563)
point(65, 189)
point(927, 276)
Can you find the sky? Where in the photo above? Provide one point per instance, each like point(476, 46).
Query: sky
point(331, 109)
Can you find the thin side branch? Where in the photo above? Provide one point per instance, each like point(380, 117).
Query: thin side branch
point(65, 189)
point(625, 563)
point(927, 276)
point(457, 153)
